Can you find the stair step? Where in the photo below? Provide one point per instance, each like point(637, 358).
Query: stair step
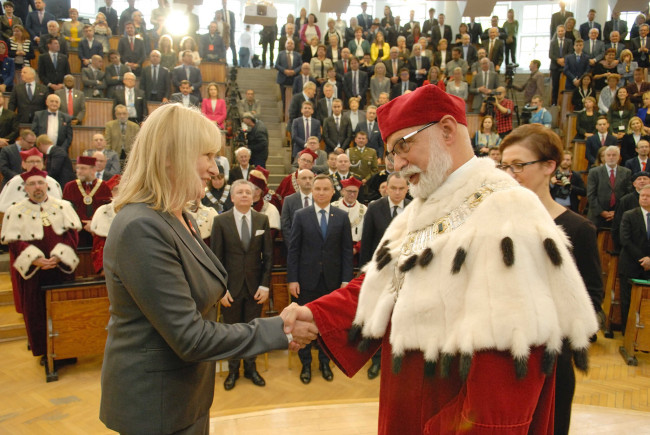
point(12, 326)
point(6, 297)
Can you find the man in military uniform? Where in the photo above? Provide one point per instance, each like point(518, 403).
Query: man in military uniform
point(342, 173)
point(355, 210)
point(86, 194)
point(363, 160)
point(376, 181)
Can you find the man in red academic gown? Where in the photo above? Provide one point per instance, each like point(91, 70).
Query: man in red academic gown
point(289, 184)
point(101, 223)
point(42, 235)
point(471, 291)
point(87, 193)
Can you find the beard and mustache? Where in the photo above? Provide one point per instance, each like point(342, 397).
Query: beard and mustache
point(432, 176)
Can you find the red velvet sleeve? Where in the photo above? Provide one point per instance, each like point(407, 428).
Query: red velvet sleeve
point(493, 401)
point(333, 314)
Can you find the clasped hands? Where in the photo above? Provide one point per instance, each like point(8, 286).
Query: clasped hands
point(299, 322)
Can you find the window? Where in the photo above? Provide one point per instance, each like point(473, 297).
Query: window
point(534, 33)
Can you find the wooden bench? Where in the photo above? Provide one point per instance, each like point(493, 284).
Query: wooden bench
point(82, 139)
point(637, 337)
point(99, 111)
point(612, 301)
point(77, 315)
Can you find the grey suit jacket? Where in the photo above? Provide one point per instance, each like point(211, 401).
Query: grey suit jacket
point(164, 285)
point(78, 103)
point(599, 189)
point(599, 49)
point(477, 82)
point(92, 84)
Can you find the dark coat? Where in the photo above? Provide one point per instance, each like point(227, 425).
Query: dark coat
point(161, 89)
point(50, 74)
point(634, 243)
point(378, 217)
point(39, 126)
point(59, 166)
point(141, 109)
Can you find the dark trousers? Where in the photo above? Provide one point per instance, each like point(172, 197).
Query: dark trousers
point(270, 46)
point(555, 81)
point(243, 309)
point(511, 52)
point(565, 385)
point(306, 296)
point(233, 49)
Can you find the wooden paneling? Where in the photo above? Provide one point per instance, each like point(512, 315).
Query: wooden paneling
point(565, 108)
point(473, 122)
point(571, 129)
point(82, 138)
point(99, 111)
point(75, 62)
point(113, 42)
point(579, 147)
point(637, 336)
point(213, 72)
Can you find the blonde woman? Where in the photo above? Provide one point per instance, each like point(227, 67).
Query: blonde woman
point(103, 33)
point(164, 284)
point(72, 30)
point(379, 82)
point(379, 49)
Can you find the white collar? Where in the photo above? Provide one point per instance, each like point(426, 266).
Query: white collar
point(462, 170)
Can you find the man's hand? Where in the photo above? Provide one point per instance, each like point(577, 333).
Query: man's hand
point(294, 289)
point(303, 334)
point(339, 150)
point(608, 215)
point(299, 322)
point(74, 121)
point(576, 82)
point(560, 61)
point(394, 80)
point(3, 142)
point(261, 295)
point(645, 263)
point(86, 224)
point(226, 300)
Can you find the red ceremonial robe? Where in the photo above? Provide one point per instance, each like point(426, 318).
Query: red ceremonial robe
point(102, 196)
point(32, 299)
point(491, 401)
point(287, 186)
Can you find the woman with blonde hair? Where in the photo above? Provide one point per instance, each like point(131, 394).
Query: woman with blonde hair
point(20, 47)
point(102, 31)
point(379, 49)
point(379, 82)
point(72, 30)
point(164, 285)
point(626, 66)
point(167, 54)
point(633, 135)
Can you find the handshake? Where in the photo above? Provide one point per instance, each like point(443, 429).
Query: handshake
point(299, 322)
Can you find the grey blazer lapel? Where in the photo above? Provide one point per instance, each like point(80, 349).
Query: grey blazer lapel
point(197, 247)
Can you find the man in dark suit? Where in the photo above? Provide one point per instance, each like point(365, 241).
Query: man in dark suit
point(114, 73)
point(58, 164)
point(132, 98)
point(53, 66)
point(187, 71)
point(404, 85)
point(640, 47)
point(211, 46)
point(355, 83)
point(441, 31)
point(615, 24)
point(634, 260)
point(559, 48)
point(155, 80)
point(638, 87)
point(89, 46)
point(229, 18)
point(640, 162)
point(378, 216)
point(68, 94)
point(296, 201)
point(324, 105)
point(289, 35)
point(257, 139)
point(607, 184)
point(602, 137)
point(586, 27)
point(101, 171)
point(429, 24)
point(295, 107)
point(132, 49)
point(93, 78)
point(37, 19)
point(576, 65)
point(241, 239)
point(243, 168)
point(370, 126)
point(337, 129)
point(483, 83)
point(475, 30)
point(576, 188)
point(304, 127)
point(27, 97)
point(10, 161)
point(126, 16)
point(393, 65)
point(53, 31)
point(628, 202)
point(9, 128)
point(111, 15)
point(418, 65)
point(61, 130)
point(319, 258)
point(302, 78)
point(615, 43)
point(288, 64)
point(468, 51)
point(559, 18)
point(494, 48)
point(364, 20)
point(185, 97)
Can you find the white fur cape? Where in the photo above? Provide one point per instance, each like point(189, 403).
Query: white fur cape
point(471, 292)
point(22, 221)
point(14, 192)
point(204, 217)
point(102, 220)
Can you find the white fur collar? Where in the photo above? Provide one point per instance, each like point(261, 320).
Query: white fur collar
point(24, 220)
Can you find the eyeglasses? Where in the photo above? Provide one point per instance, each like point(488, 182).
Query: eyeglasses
point(517, 167)
point(35, 183)
point(402, 147)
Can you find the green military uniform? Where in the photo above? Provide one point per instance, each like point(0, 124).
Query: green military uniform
point(363, 163)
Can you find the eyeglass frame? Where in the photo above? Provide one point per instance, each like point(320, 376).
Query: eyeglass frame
point(402, 144)
point(521, 166)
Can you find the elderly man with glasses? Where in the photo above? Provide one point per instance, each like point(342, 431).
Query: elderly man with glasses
point(471, 292)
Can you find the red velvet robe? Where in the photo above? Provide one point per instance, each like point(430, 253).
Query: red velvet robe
point(286, 186)
point(28, 291)
point(491, 401)
point(102, 196)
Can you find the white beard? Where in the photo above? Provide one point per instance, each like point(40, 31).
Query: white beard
point(436, 172)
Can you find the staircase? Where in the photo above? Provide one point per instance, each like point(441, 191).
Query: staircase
point(12, 326)
point(262, 81)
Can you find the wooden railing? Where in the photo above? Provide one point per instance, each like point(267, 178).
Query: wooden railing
point(98, 112)
point(82, 139)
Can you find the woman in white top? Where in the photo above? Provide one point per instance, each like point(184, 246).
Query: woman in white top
point(310, 29)
point(456, 85)
point(608, 94)
point(379, 82)
point(102, 31)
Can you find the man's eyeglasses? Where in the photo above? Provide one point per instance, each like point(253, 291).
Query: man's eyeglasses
point(402, 147)
point(517, 167)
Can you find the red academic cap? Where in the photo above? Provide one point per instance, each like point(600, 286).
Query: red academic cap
point(86, 160)
point(258, 178)
point(34, 172)
point(352, 181)
point(310, 152)
point(30, 153)
point(424, 105)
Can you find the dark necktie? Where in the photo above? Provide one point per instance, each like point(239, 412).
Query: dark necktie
point(245, 232)
point(612, 182)
point(323, 223)
point(306, 201)
point(30, 94)
point(155, 74)
point(394, 215)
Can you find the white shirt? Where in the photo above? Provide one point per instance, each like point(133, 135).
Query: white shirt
point(238, 222)
point(400, 206)
point(245, 40)
point(129, 98)
point(645, 218)
point(244, 171)
point(53, 126)
point(302, 199)
point(610, 170)
point(327, 213)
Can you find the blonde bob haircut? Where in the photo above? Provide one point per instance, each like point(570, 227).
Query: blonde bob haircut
point(161, 167)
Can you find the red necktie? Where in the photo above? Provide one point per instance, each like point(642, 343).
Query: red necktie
point(602, 140)
point(345, 66)
point(70, 103)
point(612, 182)
point(644, 165)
